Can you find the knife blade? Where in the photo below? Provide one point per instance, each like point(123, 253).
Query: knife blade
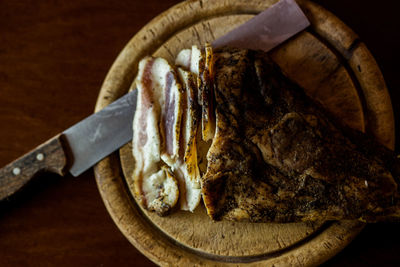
point(87, 142)
point(77, 148)
point(268, 29)
point(98, 135)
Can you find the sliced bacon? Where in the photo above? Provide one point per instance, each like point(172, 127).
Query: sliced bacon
point(166, 141)
point(146, 119)
point(154, 189)
point(206, 88)
point(187, 163)
point(171, 111)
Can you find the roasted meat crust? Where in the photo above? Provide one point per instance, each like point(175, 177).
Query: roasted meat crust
point(278, 156)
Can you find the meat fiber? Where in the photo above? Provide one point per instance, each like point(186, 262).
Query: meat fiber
point(278, 156)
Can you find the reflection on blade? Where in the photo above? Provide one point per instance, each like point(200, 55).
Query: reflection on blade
point(268, 29)
point(102, 133)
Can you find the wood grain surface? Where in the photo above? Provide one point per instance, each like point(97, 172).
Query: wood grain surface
point(54, 56)
point(48, 157)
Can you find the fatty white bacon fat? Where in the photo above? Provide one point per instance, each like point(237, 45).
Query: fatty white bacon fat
point(184, 59)
point(154, 184)
point(189, 60)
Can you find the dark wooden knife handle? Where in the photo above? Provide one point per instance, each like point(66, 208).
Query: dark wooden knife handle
point(49, 156)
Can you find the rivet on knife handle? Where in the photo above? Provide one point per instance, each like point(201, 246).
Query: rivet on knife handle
point(49, 156)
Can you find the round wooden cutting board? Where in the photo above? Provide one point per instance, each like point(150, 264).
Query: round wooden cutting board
point(333, 66)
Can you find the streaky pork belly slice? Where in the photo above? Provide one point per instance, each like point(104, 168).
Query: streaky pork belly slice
point(172, 111)
point(187, 163)
point(170, 98)
point(155, 189)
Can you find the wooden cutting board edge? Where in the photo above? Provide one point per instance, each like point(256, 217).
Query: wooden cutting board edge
point(110, 179)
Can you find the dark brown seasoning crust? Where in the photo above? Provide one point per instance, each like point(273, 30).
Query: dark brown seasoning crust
point(206, 92)
point(193, 106)
point(277, 156)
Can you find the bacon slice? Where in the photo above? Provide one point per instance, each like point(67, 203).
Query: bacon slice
point(206, 88)
point(187, 163)
point(171, 109)
point(154, 190)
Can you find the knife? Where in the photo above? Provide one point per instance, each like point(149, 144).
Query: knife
point(79, 147)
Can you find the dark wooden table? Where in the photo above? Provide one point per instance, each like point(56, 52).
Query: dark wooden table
point(54, 56)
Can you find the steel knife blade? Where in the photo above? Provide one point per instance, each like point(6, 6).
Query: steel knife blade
point(95, 137)
point(79, 147)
